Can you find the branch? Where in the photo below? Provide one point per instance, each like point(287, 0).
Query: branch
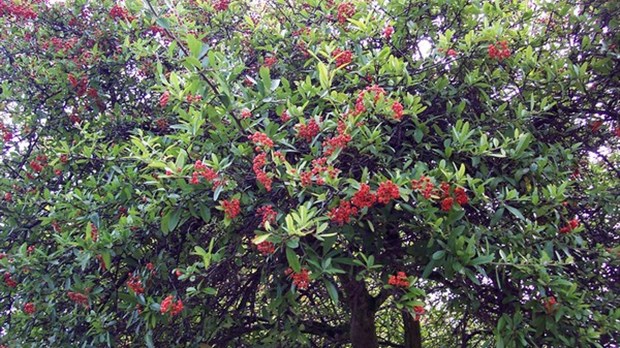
point(204, 77)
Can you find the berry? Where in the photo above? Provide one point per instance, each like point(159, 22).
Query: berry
point(343, 57)
point(388, 31)
point(346, 10)
point(135, 284)
point(399, 280)
point(163, 100)
point(266, 248)
point(29, 308)
point(397, 108)
point(301, 280)
point(446, 203)
point(363, 198)
point(387, 191)
point(342, 213)
point(231, 208)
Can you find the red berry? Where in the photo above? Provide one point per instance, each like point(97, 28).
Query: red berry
point(29, 308)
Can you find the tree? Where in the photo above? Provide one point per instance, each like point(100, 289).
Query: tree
point(277, 173)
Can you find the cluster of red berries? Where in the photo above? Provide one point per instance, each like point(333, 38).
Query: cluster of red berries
point(387, 191)
point(258, 165)
point(570, 226)
point(81, 86)
point(388, 31)
point(16, 10)
point(135, 284)
point(268, 215)
point(246, 113)
point(221, 5)
point(78, 298)
point(60, 45)
point(342, 213)
point(30, 308)
point(550, 304)
point(301, 280)
point(261, 139)
point(364, 198)
point(39, 163)
point(343, 57)
point(338, 142)
point(284, 116)
point(119, 12)
point(10, 282)
point(7, 135)
point(169, 306)
point(418, 311)
point(266, 248)
point(308, 131)
point(306, 179)
point(193, 98)
point(378, 93)
point(397, 108)
point(448, 201)
point(424, 185)
point(319, 166)
point(499, 53)
point(200, 169)
point(346, 10)
point(399, 280)
point(164, 98)
point(232, 208)
point(270, 61)
point(8, 196)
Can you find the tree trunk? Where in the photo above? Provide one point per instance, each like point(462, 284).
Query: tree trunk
point(413, 334)
point(363, 307)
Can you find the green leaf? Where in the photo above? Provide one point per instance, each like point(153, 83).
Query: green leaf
point(497, 216)
point(438, 255)
point(195, 45)
point(170, 220)
point(205, 213)
point(481, 260)
point(323, 76)
point(265, 76)
point(107, 260)
point(261, 238)
point(293, 260)
point(148, 339)
point(516, 212)
point(181, 158)
point(331, 290)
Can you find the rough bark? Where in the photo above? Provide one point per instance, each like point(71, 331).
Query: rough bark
point(413, 334)
point(363, 308)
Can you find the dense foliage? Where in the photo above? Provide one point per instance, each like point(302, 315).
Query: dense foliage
point(322, 173)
